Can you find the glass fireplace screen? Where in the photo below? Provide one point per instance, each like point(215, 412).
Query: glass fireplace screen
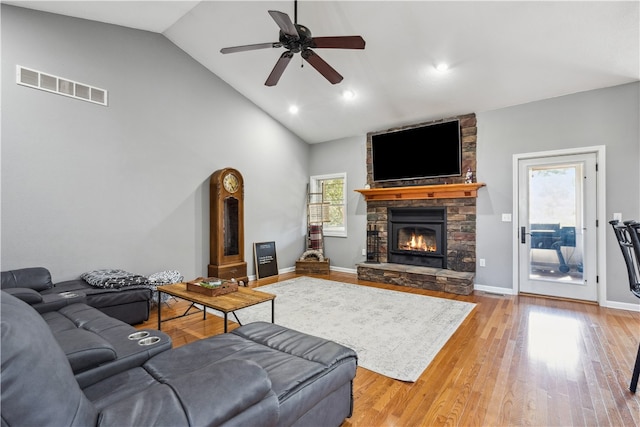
point(419, 239)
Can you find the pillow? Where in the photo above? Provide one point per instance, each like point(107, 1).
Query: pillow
point(163, 278)
point(113, 278)
point(166, 277)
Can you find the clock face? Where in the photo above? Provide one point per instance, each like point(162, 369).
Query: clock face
point(231, 183)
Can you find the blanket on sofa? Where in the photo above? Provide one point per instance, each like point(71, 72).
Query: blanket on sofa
point(116, 279)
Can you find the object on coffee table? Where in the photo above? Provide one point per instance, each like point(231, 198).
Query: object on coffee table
point(212, 286)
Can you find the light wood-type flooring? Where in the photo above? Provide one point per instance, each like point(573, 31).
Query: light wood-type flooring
point(515, 361)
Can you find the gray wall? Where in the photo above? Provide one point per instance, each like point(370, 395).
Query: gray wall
point(607, 117)
point(126, 186)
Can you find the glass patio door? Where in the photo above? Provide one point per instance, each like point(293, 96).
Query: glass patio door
point(557, 226)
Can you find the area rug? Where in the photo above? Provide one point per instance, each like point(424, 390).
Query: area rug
point(395, 334)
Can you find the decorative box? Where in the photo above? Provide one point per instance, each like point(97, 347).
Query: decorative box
point(312, 267)
point(225, 287)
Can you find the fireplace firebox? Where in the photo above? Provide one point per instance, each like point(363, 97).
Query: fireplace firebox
point(417, 236)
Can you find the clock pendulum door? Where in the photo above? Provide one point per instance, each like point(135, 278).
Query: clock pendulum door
point(227, 226)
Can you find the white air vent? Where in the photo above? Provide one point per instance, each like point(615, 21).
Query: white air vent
point(61, 86)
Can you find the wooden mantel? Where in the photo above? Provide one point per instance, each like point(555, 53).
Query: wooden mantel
point(444, 191)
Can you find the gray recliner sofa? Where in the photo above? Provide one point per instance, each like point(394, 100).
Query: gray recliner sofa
point(259, 374)
point(34, 285)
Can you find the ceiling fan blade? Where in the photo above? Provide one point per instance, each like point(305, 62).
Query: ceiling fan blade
point(339, 42)
point(279, 68)
point(284, 22)
point(323, 68)
point(249, 47)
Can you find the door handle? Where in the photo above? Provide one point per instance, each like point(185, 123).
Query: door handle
point(523, 232)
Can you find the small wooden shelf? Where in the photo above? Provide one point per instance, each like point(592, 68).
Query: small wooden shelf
point(444, 191)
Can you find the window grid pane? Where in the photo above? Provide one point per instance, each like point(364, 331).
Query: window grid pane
point(333, 192)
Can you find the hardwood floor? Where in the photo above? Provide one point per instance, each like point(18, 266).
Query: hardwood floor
point(515, 360)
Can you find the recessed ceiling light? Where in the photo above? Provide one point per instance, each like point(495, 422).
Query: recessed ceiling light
point(348, 94)
point(293, 109)
point(442, 67)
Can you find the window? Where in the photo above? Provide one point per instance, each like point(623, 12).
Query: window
point(333, 188)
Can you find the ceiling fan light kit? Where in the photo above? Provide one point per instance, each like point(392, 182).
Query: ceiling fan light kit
point(298, 39)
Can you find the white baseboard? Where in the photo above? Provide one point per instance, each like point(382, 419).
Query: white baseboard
point(622, 306)
point(280, 271)
point(343, 269)
point(608, 304)
point(493, 289)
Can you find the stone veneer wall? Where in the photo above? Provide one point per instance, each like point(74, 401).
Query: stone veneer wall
point(461, 212)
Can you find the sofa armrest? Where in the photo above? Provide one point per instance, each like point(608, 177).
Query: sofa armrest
point(231, 392)
point(36, 278)
point(27, 295)
point(54, 302)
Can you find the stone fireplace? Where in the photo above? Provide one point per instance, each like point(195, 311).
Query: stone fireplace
point(458, 231)
point(440, 210)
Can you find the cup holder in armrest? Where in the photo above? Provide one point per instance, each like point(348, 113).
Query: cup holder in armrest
point(138, 335)
point(149, 341)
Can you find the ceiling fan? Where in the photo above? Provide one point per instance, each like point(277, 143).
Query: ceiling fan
point(297, 38)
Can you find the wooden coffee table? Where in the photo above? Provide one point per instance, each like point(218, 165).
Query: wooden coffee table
point(228, 303)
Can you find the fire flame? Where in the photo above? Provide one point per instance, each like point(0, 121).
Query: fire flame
point(418, 243)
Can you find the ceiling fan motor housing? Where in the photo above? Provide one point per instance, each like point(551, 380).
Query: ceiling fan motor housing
point(297, 44)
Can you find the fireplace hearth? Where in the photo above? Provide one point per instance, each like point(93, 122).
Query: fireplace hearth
point(418, 236)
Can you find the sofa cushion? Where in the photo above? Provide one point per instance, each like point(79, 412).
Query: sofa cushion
point(303, 369)
point(57, 322)
point(85, 349)
point(226, 393)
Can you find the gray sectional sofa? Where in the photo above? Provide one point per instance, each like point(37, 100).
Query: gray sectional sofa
point(34, 285)
point(76, 366)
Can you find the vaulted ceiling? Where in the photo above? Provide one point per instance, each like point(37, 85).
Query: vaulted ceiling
point(499, 54)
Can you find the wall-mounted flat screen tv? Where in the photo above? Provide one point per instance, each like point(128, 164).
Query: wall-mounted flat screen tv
point(430, 151)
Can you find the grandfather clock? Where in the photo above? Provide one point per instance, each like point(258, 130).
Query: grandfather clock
point(226, 199)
